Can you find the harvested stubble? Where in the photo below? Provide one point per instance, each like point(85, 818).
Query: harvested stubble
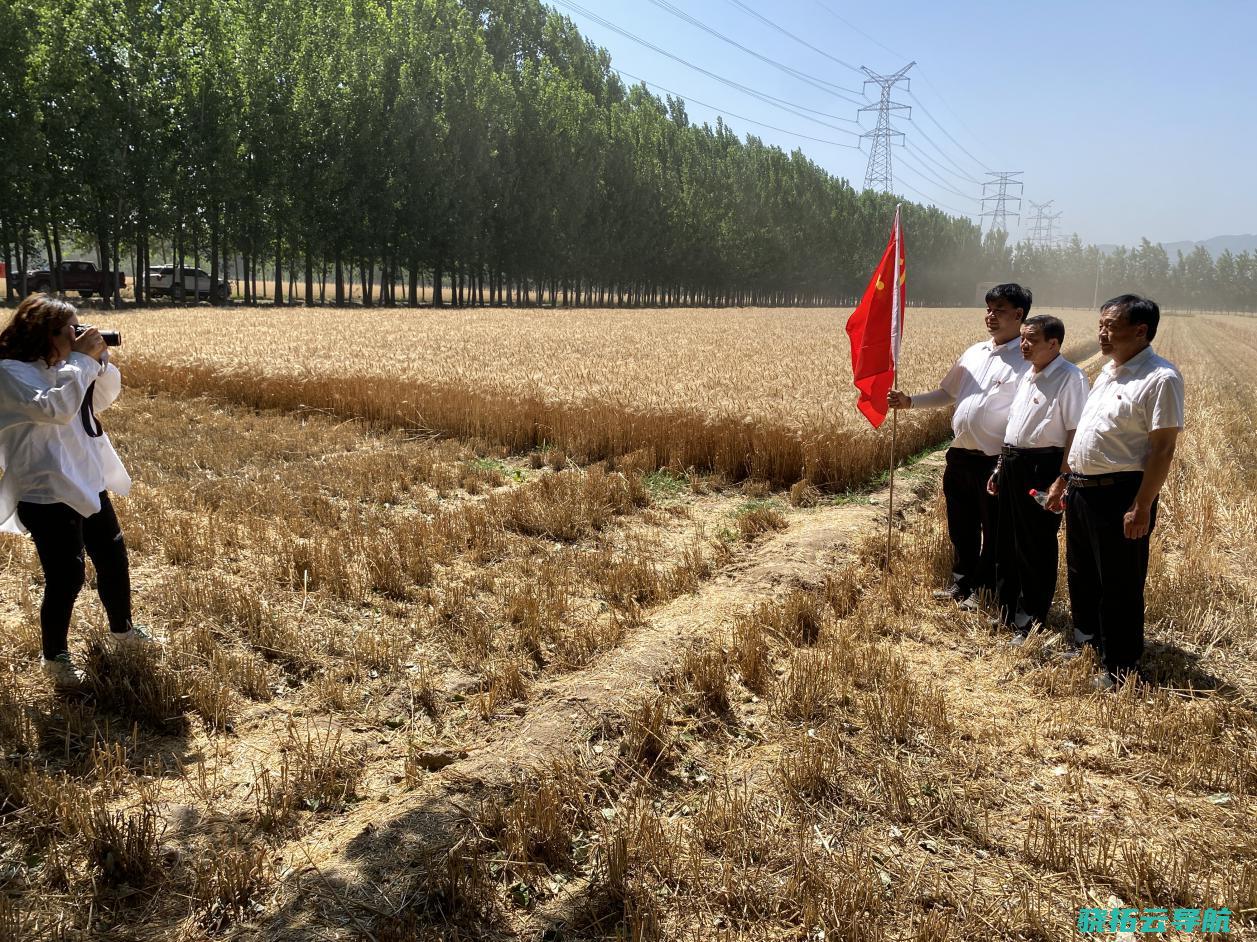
point(744, 393)
point(263, 549)
point(938, 788)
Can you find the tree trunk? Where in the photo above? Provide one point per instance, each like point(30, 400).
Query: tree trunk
point(340, 280)
point(24, 261)
point(413, 285)
point(9, 271)
point(438, 276)
point(117, 267)
point(279, 268)
point(54, 271)
point(215, 272)
point(309, 276)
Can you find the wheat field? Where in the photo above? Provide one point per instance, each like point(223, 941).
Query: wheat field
point(493, 684)
point(761, 393)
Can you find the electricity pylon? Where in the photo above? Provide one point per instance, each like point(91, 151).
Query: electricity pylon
point(1003, 180)
point(879, 175)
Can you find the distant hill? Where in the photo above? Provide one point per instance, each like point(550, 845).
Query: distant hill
point(1215, 246)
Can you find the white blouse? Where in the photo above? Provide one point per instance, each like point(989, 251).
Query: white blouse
point(46, 453)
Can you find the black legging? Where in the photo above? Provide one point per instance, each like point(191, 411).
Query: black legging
point(61, 534)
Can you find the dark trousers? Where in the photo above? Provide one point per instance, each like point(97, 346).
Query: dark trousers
point(61, 534)
point(1025, 570)
point(972, 519)
point(1107, 571)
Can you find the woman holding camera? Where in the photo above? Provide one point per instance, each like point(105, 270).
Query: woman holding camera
point(59, 467)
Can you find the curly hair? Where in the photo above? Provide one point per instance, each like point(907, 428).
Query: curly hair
point(36, 321)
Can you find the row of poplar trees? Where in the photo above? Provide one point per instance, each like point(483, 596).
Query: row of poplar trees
point(484, 147)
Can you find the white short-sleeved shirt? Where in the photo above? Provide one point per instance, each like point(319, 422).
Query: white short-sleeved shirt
point(45, 451)
point(1046, 406)
point(1127, 403)
point(983, 383)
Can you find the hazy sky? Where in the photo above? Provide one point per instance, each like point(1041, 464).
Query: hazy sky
point(1136, 118)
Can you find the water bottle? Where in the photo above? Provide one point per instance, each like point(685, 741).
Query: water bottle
point(1041, 498)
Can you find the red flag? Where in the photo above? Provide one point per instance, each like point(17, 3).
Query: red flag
point(875, 329)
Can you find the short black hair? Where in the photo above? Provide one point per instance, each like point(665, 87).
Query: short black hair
point(1014, 294)
point(1052, 328)
point(1137, 310)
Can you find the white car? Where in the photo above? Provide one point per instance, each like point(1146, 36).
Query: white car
point(167, 281)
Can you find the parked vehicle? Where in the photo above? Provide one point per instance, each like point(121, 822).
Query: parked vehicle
point(170, 281)
point(83, 277)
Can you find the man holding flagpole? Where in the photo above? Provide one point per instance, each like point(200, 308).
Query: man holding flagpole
point(981, 385)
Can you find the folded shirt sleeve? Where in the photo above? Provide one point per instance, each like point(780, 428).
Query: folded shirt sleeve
point(1073, 398)
point(58, 403)
point(1165, 406)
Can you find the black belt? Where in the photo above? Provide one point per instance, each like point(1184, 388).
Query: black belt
point(1011, 450)
point(971, 452)
point(1102, 480)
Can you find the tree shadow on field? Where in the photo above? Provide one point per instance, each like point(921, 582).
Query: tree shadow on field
point(430, 873)
point(424, 874)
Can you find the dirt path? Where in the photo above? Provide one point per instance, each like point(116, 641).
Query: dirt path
point(375, 846)
point(370, 851)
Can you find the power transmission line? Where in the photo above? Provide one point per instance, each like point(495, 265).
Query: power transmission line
point(902, 168)
point(785, 32)
point(767, 99)
point(819, 83)
point(931, 201)
point(948, 133)
point(879, 175)
point(958, 171)
point(941, 184)
point(1003, 181)
point(857, 29)
point(725, 111)
point(959, 120)
point(925, 78)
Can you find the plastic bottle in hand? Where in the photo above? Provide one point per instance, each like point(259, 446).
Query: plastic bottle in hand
point(1041, 498)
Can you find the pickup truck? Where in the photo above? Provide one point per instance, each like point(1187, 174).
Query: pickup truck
point(83, 277)
point(165, 281)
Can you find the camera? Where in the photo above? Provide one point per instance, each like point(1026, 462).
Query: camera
point(112, 338)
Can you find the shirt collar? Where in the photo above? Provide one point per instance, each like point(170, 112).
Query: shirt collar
point(1134, 363)
point(995, 349)
point(1047, 370)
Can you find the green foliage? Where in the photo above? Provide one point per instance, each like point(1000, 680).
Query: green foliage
point(485, 145)
point(664, 484)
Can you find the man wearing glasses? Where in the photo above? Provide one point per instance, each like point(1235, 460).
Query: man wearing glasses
point(981, 385)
